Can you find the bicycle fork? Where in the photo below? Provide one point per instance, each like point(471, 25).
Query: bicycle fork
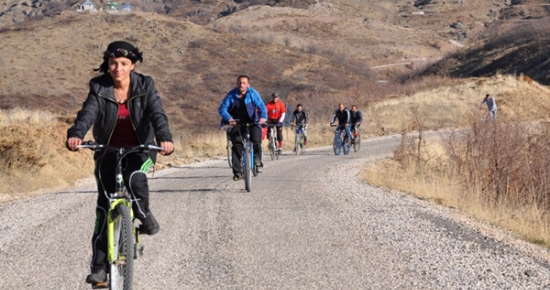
point(113, 229)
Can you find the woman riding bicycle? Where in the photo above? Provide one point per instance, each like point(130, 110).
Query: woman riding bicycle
point(125, 110)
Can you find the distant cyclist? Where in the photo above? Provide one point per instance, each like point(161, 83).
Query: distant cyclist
point(343, 116)
point(276, 112)
point(298, 118)
point(245, 104)
point(356, 117)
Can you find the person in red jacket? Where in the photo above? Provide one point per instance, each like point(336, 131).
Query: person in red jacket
point(276, 111)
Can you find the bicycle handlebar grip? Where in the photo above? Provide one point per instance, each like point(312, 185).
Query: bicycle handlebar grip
point(153, 147)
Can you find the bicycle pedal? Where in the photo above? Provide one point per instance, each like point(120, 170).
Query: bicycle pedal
point(138, 251)
point(101, 285)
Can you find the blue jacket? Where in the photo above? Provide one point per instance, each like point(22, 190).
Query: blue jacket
point(255, 106)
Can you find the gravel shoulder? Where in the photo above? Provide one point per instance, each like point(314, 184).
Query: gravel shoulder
point(309, 223)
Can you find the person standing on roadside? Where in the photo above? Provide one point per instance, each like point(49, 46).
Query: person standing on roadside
point(491, 106)
point(276, 112)
point(245, 104)
point(125, 111)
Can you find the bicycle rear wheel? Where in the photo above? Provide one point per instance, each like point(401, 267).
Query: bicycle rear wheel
point(122, 269)
point(337, 144)
point(346, 145)
point(275, 145)
point(297, 144)
point(357, 143)
point(247, 169)
point(302, 144)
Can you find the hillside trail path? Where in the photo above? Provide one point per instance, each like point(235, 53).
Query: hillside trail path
point(309, 223)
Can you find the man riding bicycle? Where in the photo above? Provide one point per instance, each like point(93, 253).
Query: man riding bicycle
point(276, 112)
point(299, 118)
point(342, 114)
point(245, 104)
point(356, 117)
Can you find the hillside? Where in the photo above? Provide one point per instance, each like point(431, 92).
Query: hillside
point(511, 48)
point(317, 54)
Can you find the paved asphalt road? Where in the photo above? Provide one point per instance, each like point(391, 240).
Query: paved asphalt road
point(308, 223)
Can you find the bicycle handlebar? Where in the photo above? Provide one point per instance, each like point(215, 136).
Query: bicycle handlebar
point(140, 148)
point(238, 121)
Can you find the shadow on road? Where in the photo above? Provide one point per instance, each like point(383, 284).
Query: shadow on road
point(185, 190)
point(190, 177)
point(201, 167)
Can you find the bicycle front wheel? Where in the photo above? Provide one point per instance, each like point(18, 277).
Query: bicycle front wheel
point(337, 144)
point(122, 269)
point(229, 155)
point(247, 169)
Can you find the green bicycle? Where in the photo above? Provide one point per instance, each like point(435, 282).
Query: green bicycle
point(123, 243)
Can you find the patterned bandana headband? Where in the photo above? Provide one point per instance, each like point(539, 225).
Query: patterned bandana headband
point(119, 52)
point(122, 49)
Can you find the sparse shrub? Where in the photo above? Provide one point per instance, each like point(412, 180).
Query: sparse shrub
point(236, 29)
point(15, 152)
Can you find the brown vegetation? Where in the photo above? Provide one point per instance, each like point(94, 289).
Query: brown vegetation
point(495, 171)
point(525, 79)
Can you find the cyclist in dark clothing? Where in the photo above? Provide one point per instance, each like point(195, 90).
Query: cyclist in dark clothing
point(356, 117)
point(343, 116)
point(299, 118)
point(125, 111)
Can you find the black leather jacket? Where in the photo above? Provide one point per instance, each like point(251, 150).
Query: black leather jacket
point(101, 110)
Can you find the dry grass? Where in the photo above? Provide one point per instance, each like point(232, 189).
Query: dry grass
point(496, 173)
point(525, 218)
point(36, 160)
point(453, 106)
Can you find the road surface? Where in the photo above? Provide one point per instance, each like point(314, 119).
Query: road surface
point(309, 223)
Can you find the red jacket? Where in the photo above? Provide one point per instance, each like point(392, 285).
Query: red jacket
point(275, 110)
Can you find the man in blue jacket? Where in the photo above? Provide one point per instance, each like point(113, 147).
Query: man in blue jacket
point(245, 104)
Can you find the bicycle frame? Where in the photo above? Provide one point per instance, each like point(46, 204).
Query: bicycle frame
point(114, 227)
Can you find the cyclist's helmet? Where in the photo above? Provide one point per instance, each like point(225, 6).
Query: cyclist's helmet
point(275, 95)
